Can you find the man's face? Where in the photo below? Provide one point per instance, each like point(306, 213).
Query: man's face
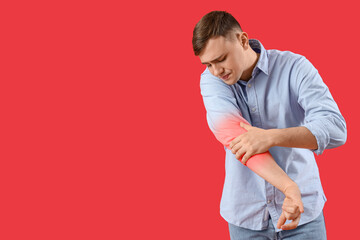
point(225, 58)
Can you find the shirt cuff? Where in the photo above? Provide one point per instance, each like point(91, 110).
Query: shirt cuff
point(318, 129)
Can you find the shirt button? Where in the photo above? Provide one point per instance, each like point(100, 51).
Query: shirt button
point(249, 85)
point(269, 201)
point(253, 109)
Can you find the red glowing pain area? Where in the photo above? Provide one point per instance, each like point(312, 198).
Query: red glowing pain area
point(229, 128)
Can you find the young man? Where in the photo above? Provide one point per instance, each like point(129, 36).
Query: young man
point(292, 114)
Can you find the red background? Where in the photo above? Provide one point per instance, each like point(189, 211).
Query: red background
point(103, 132)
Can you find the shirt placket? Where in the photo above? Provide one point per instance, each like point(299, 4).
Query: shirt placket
point(256, 121)
point(253, 103)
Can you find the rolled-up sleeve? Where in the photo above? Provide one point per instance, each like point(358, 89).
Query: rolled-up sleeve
point(322, 115)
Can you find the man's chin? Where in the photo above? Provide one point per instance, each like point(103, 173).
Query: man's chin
point(230, 82)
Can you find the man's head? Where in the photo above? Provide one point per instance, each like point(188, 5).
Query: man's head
point(222, 45)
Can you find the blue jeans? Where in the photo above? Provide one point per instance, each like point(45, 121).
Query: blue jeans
point(314, 230)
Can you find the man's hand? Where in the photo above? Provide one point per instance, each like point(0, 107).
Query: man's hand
point(254, 141)
point(292, 208)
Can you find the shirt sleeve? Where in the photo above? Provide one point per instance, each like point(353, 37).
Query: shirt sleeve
point(222, 112)
point(322, 115)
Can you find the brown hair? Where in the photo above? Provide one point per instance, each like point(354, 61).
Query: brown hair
point(213, 24)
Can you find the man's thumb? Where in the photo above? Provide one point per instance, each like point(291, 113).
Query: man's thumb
point(243, 125)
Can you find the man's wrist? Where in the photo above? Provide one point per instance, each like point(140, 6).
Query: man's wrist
point(275, 137)
point(290, 185)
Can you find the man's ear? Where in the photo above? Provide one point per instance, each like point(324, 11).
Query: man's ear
point(238, 37)
point(244, 40)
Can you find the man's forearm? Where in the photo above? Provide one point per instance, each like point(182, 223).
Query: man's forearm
point(257, 140)
point(265, 166)
point(262, 164)
point(296, 137)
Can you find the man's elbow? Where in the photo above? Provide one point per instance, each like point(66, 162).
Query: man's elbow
point(344, 137)
point(339, 139)
point(342, 131)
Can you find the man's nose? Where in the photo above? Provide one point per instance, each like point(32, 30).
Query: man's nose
point(218, 70)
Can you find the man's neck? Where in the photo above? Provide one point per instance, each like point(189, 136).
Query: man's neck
point(254, 58)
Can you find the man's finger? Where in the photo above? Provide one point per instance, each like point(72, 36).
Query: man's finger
point(240, 153)
point(245, 126)
point(281, 220)
point(234, 141)
point(246, 157)
point(236, 147)
point(290, 209)
point(301, 206)
point(291, 225)
point(291, 216)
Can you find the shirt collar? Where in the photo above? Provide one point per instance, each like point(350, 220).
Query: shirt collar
point(263, 62)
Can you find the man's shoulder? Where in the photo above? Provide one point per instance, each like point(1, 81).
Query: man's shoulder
point(206, 73)
point(206, 76)
point(210, 84)
point(286, 57)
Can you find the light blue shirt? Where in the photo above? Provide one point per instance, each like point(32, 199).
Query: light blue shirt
point(285, 90)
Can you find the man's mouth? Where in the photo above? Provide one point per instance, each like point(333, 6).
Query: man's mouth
point(226, 76)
